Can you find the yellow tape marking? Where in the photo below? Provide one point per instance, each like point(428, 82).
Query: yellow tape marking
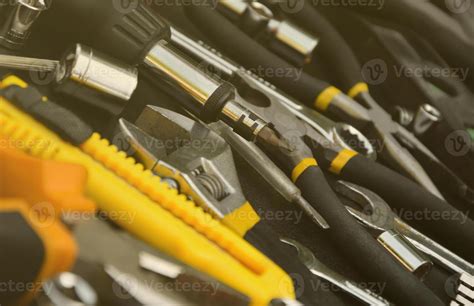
point(341, 160)
point(325, 98)
point(358, 89)
point(301, 167)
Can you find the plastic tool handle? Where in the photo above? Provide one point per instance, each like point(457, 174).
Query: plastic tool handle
point(127, 30)
point(368, 256)
point(59, 119)
point(34, 247)
point(454, 232)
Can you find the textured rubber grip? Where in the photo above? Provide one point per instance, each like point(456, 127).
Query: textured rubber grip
point(57, 118)
point(369, 257)
point(418, 207)
point(334, 49)
point(126, 30)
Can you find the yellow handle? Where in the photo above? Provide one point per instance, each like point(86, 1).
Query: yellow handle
point(164, 219)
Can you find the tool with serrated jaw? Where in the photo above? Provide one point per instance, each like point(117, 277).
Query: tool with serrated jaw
point(382, 218)
point(319, 269)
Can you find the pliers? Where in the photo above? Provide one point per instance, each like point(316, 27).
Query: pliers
point(200, 164)
point(400, 192)
point(317, 93)
point(295, 126)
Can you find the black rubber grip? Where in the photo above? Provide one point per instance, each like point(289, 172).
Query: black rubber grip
point(362, 250)
point(253, 56)
point(22, 255)
point(267, 241)
point(126, 30)
point(333, 47)
point(62, 121)
point(213, 106)
point(424, 211)
point(453, 43)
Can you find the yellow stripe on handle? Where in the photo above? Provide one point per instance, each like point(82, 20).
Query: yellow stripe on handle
point(301, 167)
point(242, 219)
point(341, 161)
point(358, 89)
point(325, 98)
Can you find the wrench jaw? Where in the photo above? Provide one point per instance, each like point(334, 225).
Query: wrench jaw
point(378, 216)
point(190, 155)
point(304, 254)
point(375, 213)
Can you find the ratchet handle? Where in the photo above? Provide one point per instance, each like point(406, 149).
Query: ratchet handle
point(411, 200)
point(125, 29)
point(370, 256)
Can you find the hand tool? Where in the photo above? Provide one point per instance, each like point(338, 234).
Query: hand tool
point(281, 36)
point(243, 78)
point(444, 32)
point(301, 164)
point(327, 144)
point(59, 186)
point(453, 112)
point(269, 171)
point(340, 56)
point(178, 273)
point(383, 219)
point(183, 227)
point(315, 92)
point(339, 133)
point(386, 228)
point(34, 194)
point(198, 161)
point(140, 37)
point(17, 20)
point(35, 247)
point(201, 164)
point(85, 74)
point(321, 270)
point(274, 113)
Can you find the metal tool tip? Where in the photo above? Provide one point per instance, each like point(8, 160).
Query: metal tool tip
point(268, 136)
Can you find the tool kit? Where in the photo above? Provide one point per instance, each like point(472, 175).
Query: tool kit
point(236, 152)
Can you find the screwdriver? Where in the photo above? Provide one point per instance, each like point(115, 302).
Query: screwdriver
point(139, 36)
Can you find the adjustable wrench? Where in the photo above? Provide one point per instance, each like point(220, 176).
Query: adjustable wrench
point(319, 269)
point(383, 219)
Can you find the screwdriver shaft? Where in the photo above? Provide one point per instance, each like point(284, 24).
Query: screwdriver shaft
point(26, 63)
